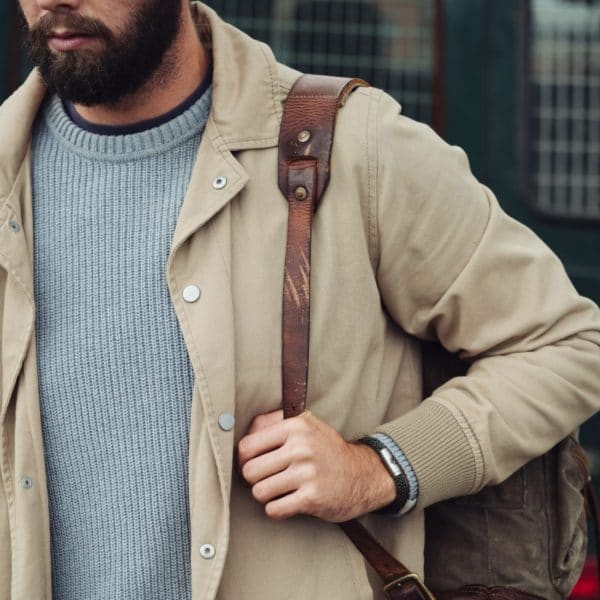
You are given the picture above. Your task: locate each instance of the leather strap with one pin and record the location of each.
(400, 583)
(481, 592)
(305, 143)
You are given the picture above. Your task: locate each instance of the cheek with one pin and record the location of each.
(114, 15)
(31, 11)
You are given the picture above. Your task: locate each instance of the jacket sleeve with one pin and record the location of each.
(453, 266)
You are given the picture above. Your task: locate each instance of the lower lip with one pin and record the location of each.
(70, 43)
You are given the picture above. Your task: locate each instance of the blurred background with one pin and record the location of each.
(516, 83)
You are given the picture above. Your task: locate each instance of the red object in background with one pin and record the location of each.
(588, 586)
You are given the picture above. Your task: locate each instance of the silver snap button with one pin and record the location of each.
(191, 293)
(301, 193)
(15, 226)
(304, 136)
(220, 182)
(207, 551)
(27, 482)
(226, 421)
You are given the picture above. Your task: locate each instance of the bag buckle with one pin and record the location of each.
(425, 593)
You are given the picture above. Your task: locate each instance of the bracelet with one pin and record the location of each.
(402, 460)
(396, 472)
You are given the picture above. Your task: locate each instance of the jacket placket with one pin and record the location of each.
(22, 454)
(200, 256)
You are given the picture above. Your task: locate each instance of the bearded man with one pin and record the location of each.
(141, 252)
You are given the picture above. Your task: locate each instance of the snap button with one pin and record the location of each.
(301, 193)
(220, 182)
(26, 482)
(191, 293)
(226, 421)
(304, 136)
(14, 226)
(207, 551)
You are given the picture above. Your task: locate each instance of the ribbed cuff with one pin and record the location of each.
(439, 450)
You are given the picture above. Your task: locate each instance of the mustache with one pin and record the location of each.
(72, 22)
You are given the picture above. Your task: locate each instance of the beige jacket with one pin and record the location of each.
(406, 242)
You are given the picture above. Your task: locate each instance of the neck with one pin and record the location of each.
(182, 69)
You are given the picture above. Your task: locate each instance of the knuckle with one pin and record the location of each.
(297, 425)
(306, 471)
(310, 499)
(309, 453)
(311, 472)
(259, 420)
(300, 449)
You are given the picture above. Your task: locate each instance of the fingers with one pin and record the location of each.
(287, 506)
(265, 420)
(262, 441)
(274, 487)
(294, 466)
(265, 466)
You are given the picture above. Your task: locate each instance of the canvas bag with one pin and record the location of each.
(529, 532)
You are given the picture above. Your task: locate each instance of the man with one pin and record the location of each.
(142, 246)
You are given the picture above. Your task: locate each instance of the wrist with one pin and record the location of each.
(405, 465)
(379, 487)
(396, 482)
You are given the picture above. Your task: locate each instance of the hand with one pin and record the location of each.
(303, 466)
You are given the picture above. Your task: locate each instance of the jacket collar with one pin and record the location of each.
(16, 122)
(247, 97)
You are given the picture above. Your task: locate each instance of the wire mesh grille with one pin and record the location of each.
(566, 107)
(390, 43)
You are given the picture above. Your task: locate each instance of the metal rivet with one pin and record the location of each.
(220, 182)
(191, 293)
(304, 136)
(226, 422)
(27, 482)
(301, 193)
(15, 226)
(207, 551)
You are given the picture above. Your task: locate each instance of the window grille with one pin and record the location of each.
(565, 108)
(390, 43)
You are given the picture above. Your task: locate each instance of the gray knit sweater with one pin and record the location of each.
(114, 375)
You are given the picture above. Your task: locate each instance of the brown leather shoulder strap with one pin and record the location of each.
(305, 144)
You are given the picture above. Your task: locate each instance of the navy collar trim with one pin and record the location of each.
(141, 125)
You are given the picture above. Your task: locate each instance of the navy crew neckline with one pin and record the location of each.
(140, 126)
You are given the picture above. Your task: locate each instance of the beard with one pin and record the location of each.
(124, 63)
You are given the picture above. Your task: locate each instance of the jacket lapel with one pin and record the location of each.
(216, 179)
